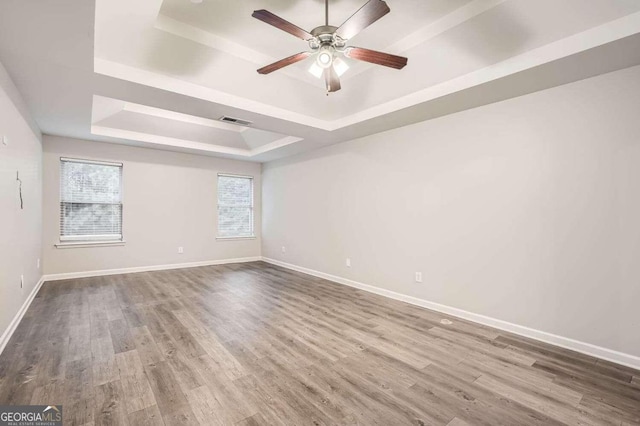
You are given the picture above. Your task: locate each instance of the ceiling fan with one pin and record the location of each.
(327, 43)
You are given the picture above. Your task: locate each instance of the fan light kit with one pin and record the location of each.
(325, 56)
(328, 44)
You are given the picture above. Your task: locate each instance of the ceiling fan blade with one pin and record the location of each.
(278, 22)
(332, 80)
(365, 16)
(284, 63)
(378, 58)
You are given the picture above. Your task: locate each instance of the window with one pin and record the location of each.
(90, 200)
(235, 206)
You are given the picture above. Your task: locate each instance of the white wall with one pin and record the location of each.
(527, 211)
(169, 201)
(20, 229)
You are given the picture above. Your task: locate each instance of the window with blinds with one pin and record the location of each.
(90, 200)
(235, 206)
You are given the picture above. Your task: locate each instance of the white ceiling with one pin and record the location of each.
(113, 117)
(233, 21)
(160, 73)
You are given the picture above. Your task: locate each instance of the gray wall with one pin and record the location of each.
(169, 201)
(20, 229)
(525, 211)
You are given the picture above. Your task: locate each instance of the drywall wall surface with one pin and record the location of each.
(169, 201)
(524, 211)
(20, 221)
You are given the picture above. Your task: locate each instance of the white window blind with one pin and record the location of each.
(90, 200)
(235, 206)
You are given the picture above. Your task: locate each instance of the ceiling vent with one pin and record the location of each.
(237, 121)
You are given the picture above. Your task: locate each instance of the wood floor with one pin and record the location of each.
(254, 344)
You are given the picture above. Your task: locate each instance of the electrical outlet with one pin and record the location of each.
(5, 141)
(348, 262)
(21, 281)
(418, 277)
(284, 249)
(38, 264)
(180, 250)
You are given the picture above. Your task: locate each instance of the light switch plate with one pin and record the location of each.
(5, 141)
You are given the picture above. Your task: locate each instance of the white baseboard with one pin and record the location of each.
(563, 342)
(87, 274)
(6, 336)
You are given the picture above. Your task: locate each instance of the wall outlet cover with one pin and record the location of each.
(180, 250)
(418, 277)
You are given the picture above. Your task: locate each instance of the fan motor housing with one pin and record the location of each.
(325, 35)
(323, 30)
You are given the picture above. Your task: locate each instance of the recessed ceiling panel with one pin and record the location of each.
(143, 123)
(232, 20)
(218, 45)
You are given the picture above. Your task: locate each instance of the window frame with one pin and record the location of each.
(252, 208)
(79, 240)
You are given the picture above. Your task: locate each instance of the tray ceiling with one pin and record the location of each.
(159, 73)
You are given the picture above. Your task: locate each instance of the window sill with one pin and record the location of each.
(84, 244)
(235, 238)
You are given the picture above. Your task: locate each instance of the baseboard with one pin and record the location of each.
(18, 317)
(87, 274)
(563, 342)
